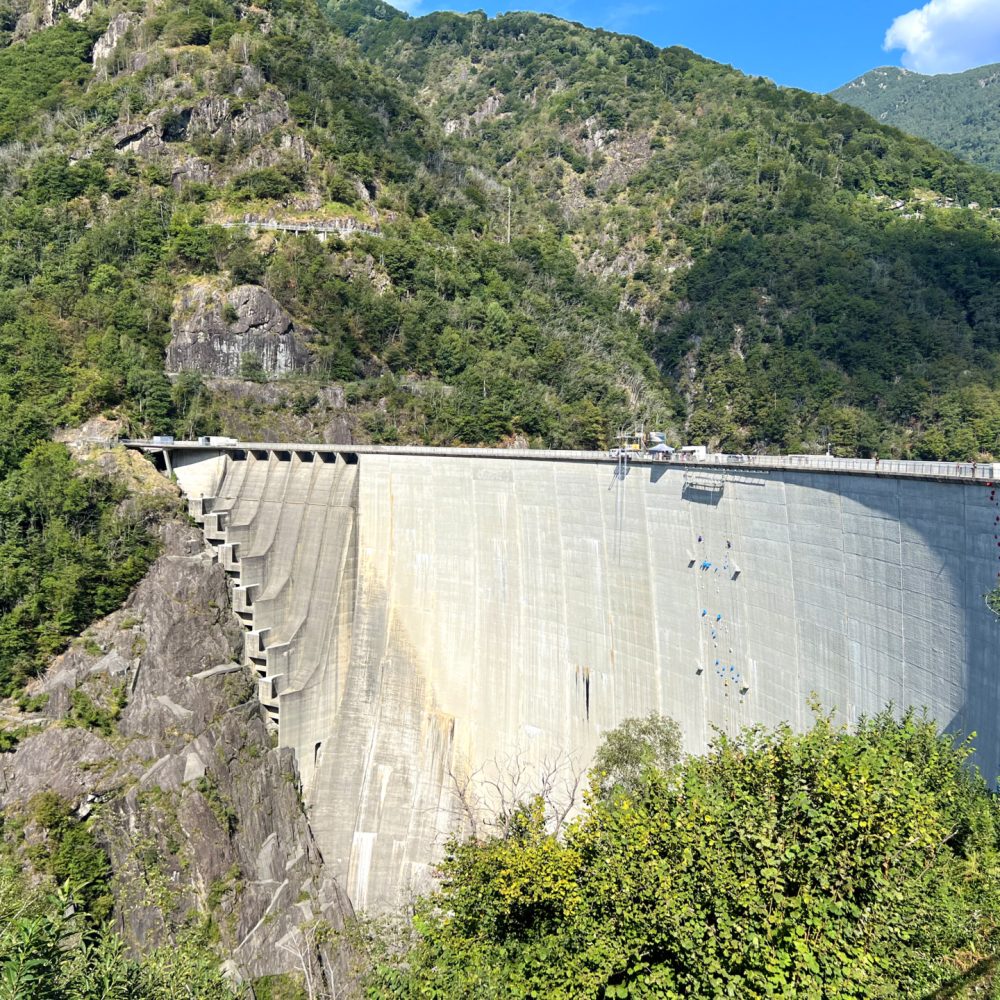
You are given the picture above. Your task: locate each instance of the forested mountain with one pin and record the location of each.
(959, 112)
(687, 245)
(538, 232)
(805, 277)
(533, 233)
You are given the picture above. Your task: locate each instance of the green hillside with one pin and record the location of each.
(959, 112)
(111, 206)
(745, 266)
(804, 276)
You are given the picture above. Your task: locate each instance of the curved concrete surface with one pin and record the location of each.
(416, 617)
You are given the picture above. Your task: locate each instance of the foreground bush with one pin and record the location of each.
(832, 863)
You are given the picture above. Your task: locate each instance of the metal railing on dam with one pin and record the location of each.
(416, 616)
(952, 471)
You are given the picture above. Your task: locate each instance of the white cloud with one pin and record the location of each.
(947, 36)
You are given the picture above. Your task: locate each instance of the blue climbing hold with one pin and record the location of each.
(718, 618)
(704, 611)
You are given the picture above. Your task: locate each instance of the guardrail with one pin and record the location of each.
(873, 466)
(958, 471)
(319, 228)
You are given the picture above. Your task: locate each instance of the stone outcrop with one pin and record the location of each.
(467, 125)
(81, 11)
(216, 116)
(212, 331)
(239, 125)
(117, 29)
(190, 169)
(195, 807)
(33, 15)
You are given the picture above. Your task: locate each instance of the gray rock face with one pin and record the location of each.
(81, 11)
(33, 15)
(117, 29)
(58, 760)
(194, 806)
(215, 116)
(153, 136)
(211, 331)
(190, 169)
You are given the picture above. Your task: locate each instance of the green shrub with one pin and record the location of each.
(86, 714)
(833, 863)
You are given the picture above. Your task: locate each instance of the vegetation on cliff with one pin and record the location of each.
(55, 940)
(841, 863)
(71, 548)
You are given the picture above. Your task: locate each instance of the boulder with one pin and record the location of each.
(212, 331)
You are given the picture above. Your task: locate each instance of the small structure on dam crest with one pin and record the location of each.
(414, 614)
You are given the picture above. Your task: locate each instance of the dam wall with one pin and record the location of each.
(429, 626)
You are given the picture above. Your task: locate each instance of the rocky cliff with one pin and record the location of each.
(201, 816)
(219, 333)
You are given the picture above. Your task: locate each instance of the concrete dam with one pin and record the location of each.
(418, 617)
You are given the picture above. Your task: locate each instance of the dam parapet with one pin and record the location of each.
(210, 448)
(418, 615)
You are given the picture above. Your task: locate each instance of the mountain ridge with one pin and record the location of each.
(653, 160)
(952, 110)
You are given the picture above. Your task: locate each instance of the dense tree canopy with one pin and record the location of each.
(830, 863)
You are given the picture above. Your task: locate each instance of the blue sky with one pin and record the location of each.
(813, 44)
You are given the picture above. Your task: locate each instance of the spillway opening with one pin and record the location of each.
(306, 456)
(350, 457)
(328, 457)
(283, 456)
